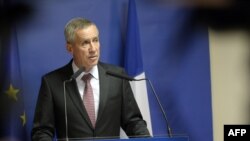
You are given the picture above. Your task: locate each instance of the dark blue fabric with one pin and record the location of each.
(12, 95)
(132, 54)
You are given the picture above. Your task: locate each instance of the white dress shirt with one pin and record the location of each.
(94, 83)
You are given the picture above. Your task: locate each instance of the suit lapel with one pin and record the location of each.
(104, 86)
(73, 94)
(77, 100)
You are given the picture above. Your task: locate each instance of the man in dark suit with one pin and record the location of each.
(111, 99)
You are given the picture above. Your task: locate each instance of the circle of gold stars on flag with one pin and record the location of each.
(12, 92)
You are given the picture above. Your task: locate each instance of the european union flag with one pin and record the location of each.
(12, 112)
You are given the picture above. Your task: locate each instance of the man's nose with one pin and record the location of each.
(92, 47)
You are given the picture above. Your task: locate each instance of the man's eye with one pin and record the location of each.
(85, 43)
(96, 40)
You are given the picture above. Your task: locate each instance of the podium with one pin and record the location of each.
(184, 138)
(151, 139)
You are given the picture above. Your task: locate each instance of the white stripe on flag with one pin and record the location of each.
(140, 93)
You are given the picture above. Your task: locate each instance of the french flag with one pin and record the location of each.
(133, 64)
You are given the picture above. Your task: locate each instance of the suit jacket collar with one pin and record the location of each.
(104, 88)
(73, 93)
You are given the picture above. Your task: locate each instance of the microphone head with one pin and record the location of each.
(122, 76)
(77, 73)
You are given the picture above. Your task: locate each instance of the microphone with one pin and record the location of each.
(126, 77)
(120, 76)
(74, 76)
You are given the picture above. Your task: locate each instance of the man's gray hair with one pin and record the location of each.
(73, 25)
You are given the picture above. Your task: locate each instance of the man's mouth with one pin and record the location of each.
(93, 57)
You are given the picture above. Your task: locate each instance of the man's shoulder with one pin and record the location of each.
(62, 71)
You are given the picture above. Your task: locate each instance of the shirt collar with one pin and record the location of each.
(93, 71)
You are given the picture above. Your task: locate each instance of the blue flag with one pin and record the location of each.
(12, 112)
(171, 77)
(133, 59)
(133, 63)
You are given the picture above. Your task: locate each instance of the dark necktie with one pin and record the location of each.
(88, 98)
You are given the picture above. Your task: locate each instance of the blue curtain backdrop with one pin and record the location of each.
(13, 119)
(175, 52)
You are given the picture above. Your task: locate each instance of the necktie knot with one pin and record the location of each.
(86, 77)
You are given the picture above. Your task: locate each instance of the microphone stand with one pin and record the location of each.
(74, 76)
(164, 113)
(158, 101)
(125, 76)
(65, 109)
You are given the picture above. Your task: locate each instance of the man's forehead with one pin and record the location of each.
(87, 33)
(90, 28)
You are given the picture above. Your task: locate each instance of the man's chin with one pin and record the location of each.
(93, 63)
(90, 66)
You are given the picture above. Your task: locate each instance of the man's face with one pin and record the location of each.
(86, 47)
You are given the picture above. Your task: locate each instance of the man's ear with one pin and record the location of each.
(69, 48)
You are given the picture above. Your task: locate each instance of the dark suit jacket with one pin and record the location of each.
(117, 108)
